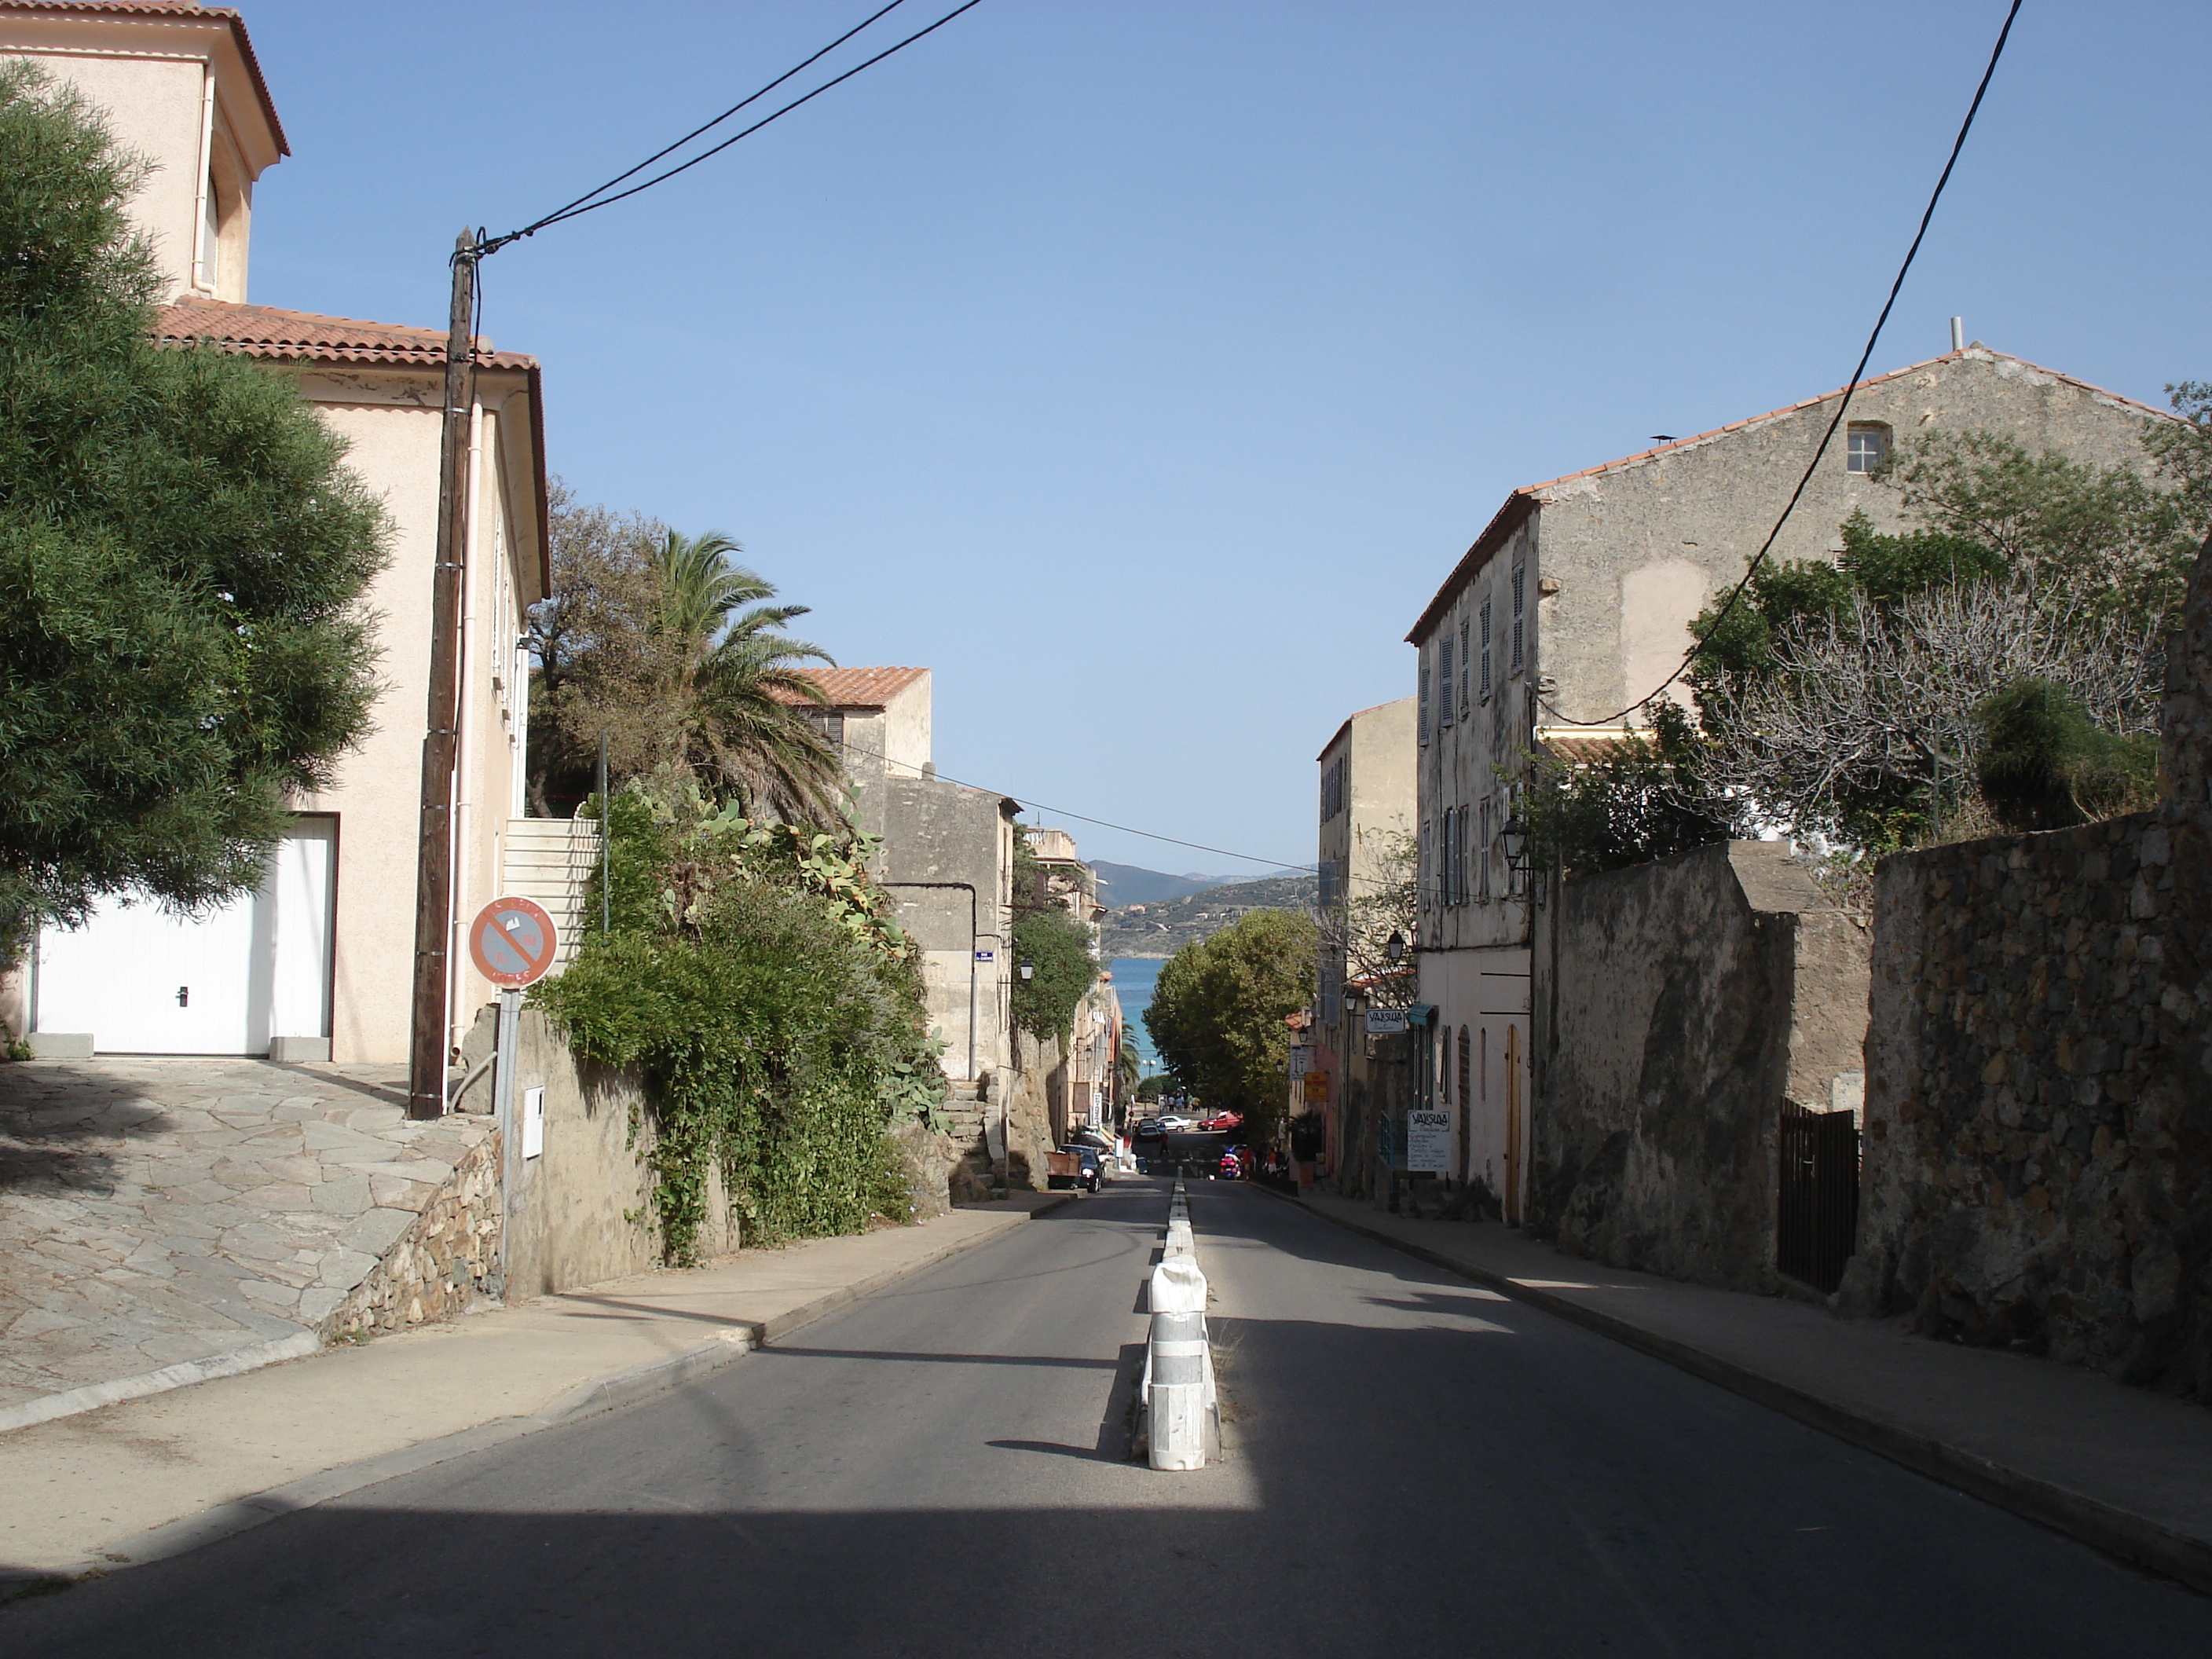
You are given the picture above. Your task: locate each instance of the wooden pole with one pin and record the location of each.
(433, 881)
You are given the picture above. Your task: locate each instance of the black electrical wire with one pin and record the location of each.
(697, 131)
(584, 204)
(1767, 546)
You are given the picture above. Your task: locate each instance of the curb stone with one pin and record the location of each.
(48, 1407)
(604, 1394)
(2130, 1537)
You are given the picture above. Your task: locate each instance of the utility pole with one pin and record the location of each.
(434, 880)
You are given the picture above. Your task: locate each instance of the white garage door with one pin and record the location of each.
(144, 982)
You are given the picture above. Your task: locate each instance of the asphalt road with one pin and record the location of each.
(1416, 1467)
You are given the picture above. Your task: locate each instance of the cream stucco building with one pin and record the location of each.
(319, 963)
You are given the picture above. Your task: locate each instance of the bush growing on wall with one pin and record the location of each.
(754, 976)
(1056, 947)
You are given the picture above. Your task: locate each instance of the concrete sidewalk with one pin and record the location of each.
(2127, 1472)
(152, 1477)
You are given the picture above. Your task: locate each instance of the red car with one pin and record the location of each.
(1223, 1121)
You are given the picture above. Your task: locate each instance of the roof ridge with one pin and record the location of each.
(1524, 499)
(189, 8)
(1977, 350)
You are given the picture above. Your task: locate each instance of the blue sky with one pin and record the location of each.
(1141, 368)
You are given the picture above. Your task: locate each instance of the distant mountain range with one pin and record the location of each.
(1160, 927)
(1126, 883)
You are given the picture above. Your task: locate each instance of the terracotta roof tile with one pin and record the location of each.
(305, 336)
(170, 9)
(860, 688)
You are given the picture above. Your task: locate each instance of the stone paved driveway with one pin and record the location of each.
(158, 1211)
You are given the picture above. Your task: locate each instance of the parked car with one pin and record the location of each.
(1149, 1129)
(1175, 1124)
(1223, 1121)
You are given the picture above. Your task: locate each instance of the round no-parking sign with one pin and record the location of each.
(512, 941)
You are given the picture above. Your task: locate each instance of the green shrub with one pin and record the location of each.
(1057, 948)
(2044, 765)
(756, 977)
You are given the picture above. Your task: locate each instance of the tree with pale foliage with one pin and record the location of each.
(1383, 898)
(661, 644)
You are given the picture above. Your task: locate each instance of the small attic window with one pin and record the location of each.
(1870, 447)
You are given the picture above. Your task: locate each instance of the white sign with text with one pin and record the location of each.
(1428, 1142)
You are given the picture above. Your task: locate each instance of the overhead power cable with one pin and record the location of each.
(1842, 407)
(592, 201)
(1081, 817)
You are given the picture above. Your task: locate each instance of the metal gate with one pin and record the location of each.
(1819, 1201)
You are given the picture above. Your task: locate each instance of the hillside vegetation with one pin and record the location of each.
(1163, 928)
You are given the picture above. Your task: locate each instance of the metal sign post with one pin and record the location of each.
(512, 943)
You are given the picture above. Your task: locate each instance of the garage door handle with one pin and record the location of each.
(184, 996)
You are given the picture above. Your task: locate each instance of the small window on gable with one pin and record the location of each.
(1870, 447)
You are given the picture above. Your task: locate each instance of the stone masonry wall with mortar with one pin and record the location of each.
(445, 1260)
(2039, 1159)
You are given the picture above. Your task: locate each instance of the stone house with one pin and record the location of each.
(946, 858)
(1574, 604)
(319, 963)
(1367, 799)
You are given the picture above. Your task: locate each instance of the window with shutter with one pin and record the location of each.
(1426, 870)
(1444, 681)
(1520, 595)
(1485, 651)
(1443, 863)
(1425, 705)
(1466, 672)
(1482, 854)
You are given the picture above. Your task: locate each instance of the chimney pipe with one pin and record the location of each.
(1958, 334)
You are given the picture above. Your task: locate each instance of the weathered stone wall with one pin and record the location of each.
(448, 1259)
(1029, 1110)
(1693, 996)
(2039, 1164)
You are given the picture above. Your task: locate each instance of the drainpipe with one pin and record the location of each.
(198, 277)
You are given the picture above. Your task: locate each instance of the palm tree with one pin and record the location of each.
(700, 586)
(747, 724)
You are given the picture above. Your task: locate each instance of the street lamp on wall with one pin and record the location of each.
(1029, 970)
(1396, 948)
(1514, 838)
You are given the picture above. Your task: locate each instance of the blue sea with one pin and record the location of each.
(1133, 977)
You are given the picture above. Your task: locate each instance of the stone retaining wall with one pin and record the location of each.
(2039, 1161)
(445, 1260)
